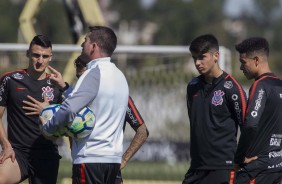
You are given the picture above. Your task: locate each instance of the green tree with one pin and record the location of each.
(9, 20)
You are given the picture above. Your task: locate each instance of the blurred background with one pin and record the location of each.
(153, 42)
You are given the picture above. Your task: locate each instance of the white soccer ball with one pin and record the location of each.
(48, 112)
(81, 126)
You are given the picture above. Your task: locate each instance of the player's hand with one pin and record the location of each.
(57, 77)
(123, 163)
(7, 153)
(35, 107)
(249, 160)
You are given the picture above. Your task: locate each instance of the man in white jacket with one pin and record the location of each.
(104, 89)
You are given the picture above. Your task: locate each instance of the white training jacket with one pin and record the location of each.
(104, 89)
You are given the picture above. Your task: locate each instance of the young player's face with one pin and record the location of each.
(206, 62)
(248, 66)
(39, 58)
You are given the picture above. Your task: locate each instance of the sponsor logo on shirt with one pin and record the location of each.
(18, 76)
(275, 166)
(275, 154)
(48, 91)
(254, 113)
(129, 113)
(234, 97)
(236, 106)
(228, 84)
(275, 140)
(217, 98)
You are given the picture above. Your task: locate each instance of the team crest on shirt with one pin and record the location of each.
(217, 98)
(18, 76)
(48, 92)
(228, 84)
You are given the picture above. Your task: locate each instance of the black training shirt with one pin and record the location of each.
(215, 111)
(262, 131)
(23, 130)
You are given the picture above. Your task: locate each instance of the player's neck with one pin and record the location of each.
(36, 75)
(213, 74)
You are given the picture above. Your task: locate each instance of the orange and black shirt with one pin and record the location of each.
(23, 131)
(215, 112)
(262, 130)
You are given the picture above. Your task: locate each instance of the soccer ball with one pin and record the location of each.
(48, 112)
(81, 126)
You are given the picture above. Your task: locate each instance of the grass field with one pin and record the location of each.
(139, 172)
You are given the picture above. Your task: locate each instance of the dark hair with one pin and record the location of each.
(79, 62)
(253, 44)
(104, 37)
(41, 40)
(203, 44)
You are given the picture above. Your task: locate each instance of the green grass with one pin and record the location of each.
(65, 170)
(155, 171)
(140, 171)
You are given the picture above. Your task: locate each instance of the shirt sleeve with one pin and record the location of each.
(256, 105)
(67, 92)
(82, 95)
(132, 116)
(237, 102)
(4, 90)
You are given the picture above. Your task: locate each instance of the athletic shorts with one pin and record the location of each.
(209, 176)
(119, 178)
(98, 173)
(39, 171)
(242, 177)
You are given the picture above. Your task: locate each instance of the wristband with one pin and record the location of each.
(65, 88)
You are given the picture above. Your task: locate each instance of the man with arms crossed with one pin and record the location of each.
(26, 153)
(259, 150)
(216, 105)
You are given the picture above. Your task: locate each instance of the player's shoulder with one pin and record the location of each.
(194, 81)
(230, 82)
(17, 74)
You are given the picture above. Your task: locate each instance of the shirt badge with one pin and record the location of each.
(217, 98)
(48, 92)
(228, 84)
(18, 76)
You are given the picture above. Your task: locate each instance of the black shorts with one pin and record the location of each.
(98, 173)
(119, 178)
(243, 177)
(39, 171)
(209, 176)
